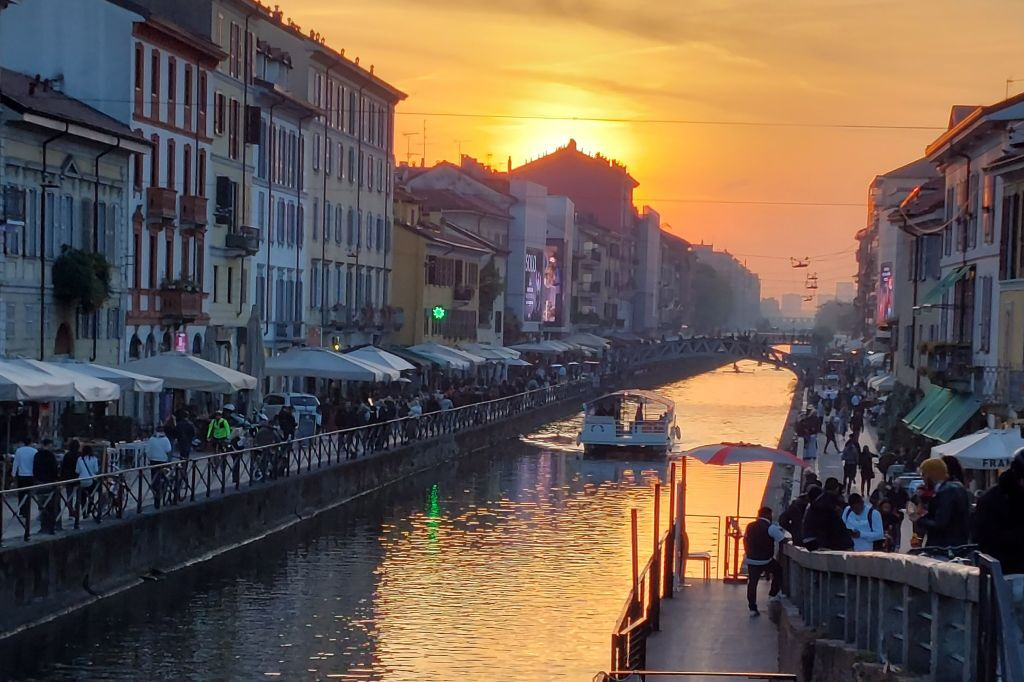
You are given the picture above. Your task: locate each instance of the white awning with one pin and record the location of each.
(498, 353)
(589, 340)
(883, 383)
(128, 381)
(324, 363)
(447, 356)
(988, 449)
(188, 372)
(86, 388)
(23, 383)
(535, 348)
(378, 356)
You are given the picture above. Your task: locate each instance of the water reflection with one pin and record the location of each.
(510, 567)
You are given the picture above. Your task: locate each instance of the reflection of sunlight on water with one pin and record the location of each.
(513, 567)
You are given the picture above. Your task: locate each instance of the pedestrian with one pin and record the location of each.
(286, 422)
(88, 468)
(759, 540)
(186, 433)
(830, 435)
(792, 520)
(24, 459)
(823, 527)
(892, 524)
(955, 469)
(866, 464)
(856, 424)
(999, 518)
(45, 470)
(946, 519)
(865, 525)
(851, 458)
(69, 474)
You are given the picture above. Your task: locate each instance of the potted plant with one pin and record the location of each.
(81, 278)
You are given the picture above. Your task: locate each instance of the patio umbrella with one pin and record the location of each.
(988, 449)
(86, 388)
(188, 372)
(379, 356)
(255, 360)
(24, 383)
(725, 454)
(324, 363)
(128, 381)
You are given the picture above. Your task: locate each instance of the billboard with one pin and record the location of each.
(553, 295)
(884, 309)
(533, 286)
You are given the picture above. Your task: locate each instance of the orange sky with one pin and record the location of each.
(819, 61)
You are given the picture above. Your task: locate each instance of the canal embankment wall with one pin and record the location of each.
(53, 576)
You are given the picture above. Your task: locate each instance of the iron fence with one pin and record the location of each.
(117, 494)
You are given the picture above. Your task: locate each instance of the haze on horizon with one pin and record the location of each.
(861, 62)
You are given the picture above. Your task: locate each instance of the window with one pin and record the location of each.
(316, 219)
(261, 296)
(327, 155)
(154, 247)
(972, 211)
(300, 225)
(137, 169)
(186, 171)
(231, 271)
(201, 125)
(140, 77)
(291, 223)
(233, 130)
(219, 113)
(369, 172)
(170, 164)
(301, 162)
(235, 51)
(1011, 237)
(351, 226)
(281, 229)
(316, 152)
(351, 165)
(169, 256)
(216, 283)
(361, 162)
(154, 86)
(985, 335)
(369, 231)
(339, 224)
(201, 174)
(172, 84)
(352, 112)
(380, 233)
(341, 161)
(154, 162)
(188, 97)
(186, 247)
(314, 284)
(327, 221)
(261, 164)
(947, 232)
(385, 293)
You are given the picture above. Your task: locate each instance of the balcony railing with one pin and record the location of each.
(161, 204)
(949, 364)
(289, 331)
(462, 293)
(246, 240)
(180, 304)
(1000, 386)
(193, 211)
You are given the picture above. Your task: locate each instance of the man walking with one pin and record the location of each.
(759, 543)
(24, 460)
(830, 435)
(45, 470)
(185, 434)
(158, 451)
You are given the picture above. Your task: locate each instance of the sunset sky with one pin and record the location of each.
(799, 62)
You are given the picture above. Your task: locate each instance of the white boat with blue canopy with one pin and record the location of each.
(632, 420)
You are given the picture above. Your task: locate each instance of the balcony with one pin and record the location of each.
(949, 365)
(161, 204)
(1000, 386)
(462, 294)
(289, 331)
(342, 318)
(180, 301)
(246, 240)
(193, 211)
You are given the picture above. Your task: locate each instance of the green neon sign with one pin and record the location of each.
(439, 312)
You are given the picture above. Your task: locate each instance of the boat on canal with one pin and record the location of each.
(630, 422)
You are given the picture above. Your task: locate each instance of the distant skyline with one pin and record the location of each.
(840, 62)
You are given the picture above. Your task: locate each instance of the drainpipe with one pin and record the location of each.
(270, 214)
(96, 218)
(42, 242)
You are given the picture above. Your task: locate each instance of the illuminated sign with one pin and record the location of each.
(181, 342)
(885, 307)
(438, 312)
(553, 294)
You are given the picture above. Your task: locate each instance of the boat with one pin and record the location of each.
(632, 421)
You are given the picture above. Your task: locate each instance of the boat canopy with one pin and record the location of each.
(638, 394)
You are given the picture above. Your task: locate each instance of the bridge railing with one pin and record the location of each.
(132, 491)
(939, 619)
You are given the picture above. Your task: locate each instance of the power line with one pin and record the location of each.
(750, 202)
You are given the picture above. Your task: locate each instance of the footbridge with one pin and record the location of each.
(762, 348)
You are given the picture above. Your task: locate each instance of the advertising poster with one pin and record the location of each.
(552, 297)
(884, 309)
(532, 293)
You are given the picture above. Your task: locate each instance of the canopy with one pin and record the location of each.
(499, 353)
(378, 356)
(876, 359)
(882, 383)
(412, 358)
(128, 381)
(85, 388)
(590, 340)
(516, 362)
(933, 397)
(988, 449)
(324, 363)
(951, 418)
(724, 454)
(188, 372)
(448, 357)
(19, 382)
(934, 296)
(536, 347)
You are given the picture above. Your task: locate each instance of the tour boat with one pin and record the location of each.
(630, 421)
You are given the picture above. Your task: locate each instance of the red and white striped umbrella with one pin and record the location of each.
(724, 454)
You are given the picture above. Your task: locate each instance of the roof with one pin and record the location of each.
(448, 240)
(448, 200)
(474, 238)
(958, 112)
(922, 168)
(648, 396)
(27, 95)
(331, 58)
(976, 117)
(287, 98)
(570, 150)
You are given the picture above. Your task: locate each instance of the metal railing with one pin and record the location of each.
(948, 621)
(126, 492)
(999, 385)
(627, 675)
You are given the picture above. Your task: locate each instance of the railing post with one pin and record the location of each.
(633, 554)
(138, 501)
(655, 579)
(192, 488)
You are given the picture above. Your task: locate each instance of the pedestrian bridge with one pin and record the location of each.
(760, 348)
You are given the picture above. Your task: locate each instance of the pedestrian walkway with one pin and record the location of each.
(706, 627)
(831, 465)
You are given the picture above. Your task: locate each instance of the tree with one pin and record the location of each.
(81, 278)
(833, 317)
(713, 299)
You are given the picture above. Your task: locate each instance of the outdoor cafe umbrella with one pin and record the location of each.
(85, 388)
(379, 356)
(188, 372)
(18, 382)
(128, 381)
(988, 449)
(326, 364)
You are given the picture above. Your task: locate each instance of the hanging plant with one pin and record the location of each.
(491, 285)
(81, 278)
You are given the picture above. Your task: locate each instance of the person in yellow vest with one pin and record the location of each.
(219, 432)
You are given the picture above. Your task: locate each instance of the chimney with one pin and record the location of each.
(510, 165)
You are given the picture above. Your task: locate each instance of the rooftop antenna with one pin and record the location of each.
(424, 159)
(408, 147)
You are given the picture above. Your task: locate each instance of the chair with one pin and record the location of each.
(704, 558)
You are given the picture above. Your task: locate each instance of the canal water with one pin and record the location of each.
(512, 565)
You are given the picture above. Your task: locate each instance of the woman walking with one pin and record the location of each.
(866, 464)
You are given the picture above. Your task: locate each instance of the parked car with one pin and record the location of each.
(304, 406)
